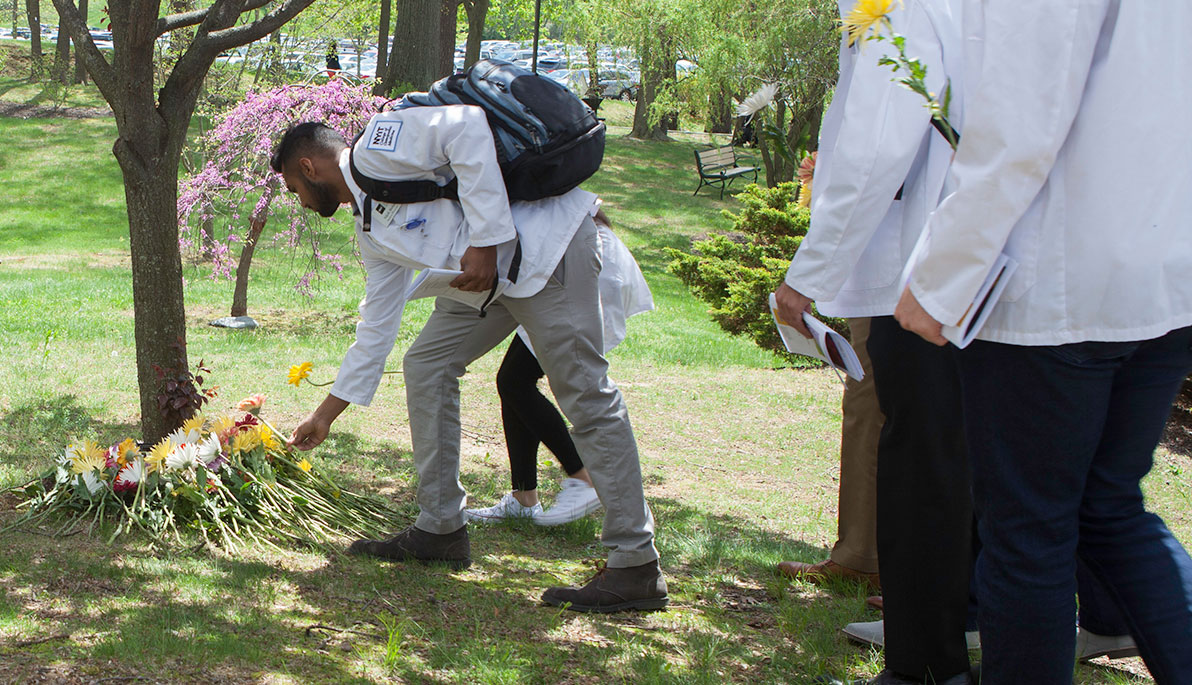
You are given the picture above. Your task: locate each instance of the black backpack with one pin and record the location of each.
(547, 140)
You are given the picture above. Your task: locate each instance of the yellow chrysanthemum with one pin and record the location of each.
(127, 450)
(865, 16)
(222, 424)
(87, 457)
(305, 465)
(299, 372)
(194, 423)
(245, 441)
(267, 438)
(157, 455)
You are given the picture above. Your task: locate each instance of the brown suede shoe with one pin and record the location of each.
(414, 544)
(825, 569)
(875, 602)
(614, 589)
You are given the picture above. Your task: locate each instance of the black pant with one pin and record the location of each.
(529, 418)
(924, 504)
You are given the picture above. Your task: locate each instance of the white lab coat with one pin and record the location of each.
(439, 143)
(1074, 160)
(877, 138)
(623, 289)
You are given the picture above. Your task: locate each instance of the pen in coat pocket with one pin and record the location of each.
(412, 224)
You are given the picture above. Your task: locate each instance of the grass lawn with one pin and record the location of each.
(739, 454)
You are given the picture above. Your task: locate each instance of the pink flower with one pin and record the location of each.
(807, 168)
(251, 404)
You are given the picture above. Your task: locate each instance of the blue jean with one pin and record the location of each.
(1060, 438)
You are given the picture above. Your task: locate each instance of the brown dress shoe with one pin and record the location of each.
(825, 569)
(415, 544)
(875, 602)
(640, 588)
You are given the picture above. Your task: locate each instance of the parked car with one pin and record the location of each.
(612, 83)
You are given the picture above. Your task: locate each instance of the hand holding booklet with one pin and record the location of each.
(437, 283)
(824, 344)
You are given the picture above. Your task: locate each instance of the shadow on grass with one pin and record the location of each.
(33, 433)
(345, 619)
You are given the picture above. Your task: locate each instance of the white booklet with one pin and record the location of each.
(982, 305)
(437, 283)
(988, 295)
(824, 344)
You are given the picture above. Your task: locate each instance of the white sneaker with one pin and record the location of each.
(507, 508)
(576, 500)
(874, 633)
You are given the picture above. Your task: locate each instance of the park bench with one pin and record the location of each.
(718, 165)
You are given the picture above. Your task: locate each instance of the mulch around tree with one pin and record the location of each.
(21, 110)
(1177, 436)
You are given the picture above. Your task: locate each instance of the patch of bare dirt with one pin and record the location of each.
(24, 110)
(1177, 436)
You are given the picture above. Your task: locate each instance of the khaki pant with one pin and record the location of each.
(564, 324)
(856, 527)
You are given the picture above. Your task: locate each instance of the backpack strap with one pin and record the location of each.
(397, 192)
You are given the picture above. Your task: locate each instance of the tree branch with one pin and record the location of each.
(174, 22)
(246, 33)
(101, 72)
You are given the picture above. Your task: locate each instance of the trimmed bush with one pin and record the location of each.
(735, 273)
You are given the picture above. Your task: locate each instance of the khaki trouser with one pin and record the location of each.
(856, 527)
(564, 325)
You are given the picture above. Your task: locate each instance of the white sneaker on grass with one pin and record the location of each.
(576, 500)
(507, 508)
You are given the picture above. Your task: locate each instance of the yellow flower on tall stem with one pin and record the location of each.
(265, 433)
(245, 440)
(298, 373)
(305, 465)
(157, 455)
(865, 16)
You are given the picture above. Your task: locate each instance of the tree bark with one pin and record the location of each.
(62, 57)
(256, 224)
(416, 37)
(33, 12)
(720, 111)
(447, 25)
(653, 63)
(477, 10)
(80, 75)
(383, 37)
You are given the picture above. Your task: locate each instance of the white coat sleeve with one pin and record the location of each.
(380, 317)
(1036, 64)
(467, 142)
(880, 133)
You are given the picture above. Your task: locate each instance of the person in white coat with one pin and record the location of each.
(1073, 161)
(529, 418)
(878, 175)
(555, 298)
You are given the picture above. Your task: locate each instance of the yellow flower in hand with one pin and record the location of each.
(864, 17)
(299, 372)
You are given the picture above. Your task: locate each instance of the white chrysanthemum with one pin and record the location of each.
(758, 101)
(132, 474)
(67, 457)
(210, 449)
(182, 457)
(180, 436)
(92, 480)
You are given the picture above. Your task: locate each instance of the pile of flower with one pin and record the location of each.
(230, 480)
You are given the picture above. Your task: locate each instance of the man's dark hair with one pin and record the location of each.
(308, 139)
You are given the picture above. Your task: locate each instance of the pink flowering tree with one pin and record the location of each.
(235, 182)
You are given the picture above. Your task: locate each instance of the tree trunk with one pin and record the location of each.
(62, 57)
(720, 111)
(151, 192)
(256, 224)
(33, 12)
(80, 75)
(417, 34)
(383, 37)
(653, 74)
(477, 11)
(447, 22)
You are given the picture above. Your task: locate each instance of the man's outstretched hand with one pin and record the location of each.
(479, 266)
(314, 428)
